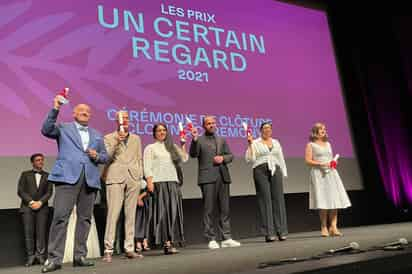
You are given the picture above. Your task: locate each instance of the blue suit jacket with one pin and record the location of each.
(72, 158)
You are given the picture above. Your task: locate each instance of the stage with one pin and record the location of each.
(254, 251)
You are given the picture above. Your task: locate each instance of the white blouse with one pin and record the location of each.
(261, 154)
(158, 163)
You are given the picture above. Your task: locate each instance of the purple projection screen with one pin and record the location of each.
(164, 60)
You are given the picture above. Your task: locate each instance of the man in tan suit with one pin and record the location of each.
(122, 175)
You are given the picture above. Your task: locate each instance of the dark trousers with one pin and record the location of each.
(143, 219)
(65, 198)
(35, 230)
(271, 201)
(216, 196)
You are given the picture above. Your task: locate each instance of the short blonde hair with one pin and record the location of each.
(315, 131)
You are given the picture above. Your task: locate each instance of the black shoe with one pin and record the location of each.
(170, 250)
(50, 267)
(82, 261)
(270, 239)
(30, 261)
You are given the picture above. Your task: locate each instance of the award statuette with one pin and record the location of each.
(247, 129)
(182, 133)
(121, 122)
(334, 163)
(63, 96)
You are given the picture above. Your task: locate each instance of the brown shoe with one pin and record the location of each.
(107, 257)
(133, 255)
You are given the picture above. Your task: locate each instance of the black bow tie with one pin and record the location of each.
(36, 172)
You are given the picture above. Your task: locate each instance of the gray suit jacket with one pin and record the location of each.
(207, 170)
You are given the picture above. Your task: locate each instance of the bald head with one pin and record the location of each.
(82, 113)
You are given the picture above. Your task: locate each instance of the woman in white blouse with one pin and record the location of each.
(269, 168)
(163, 173)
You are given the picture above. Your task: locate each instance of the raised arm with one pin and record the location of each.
(194, 148)
(182, 152)
(49, 128)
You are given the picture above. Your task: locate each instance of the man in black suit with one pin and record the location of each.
(213, 155)
(35, 191)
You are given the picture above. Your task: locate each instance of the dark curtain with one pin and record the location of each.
(374, 56)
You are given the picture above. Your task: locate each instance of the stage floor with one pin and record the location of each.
(245, 259)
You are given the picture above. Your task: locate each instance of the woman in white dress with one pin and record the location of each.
(326, 190)
(93, 247)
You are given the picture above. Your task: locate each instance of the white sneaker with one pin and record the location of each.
(230, 243)
(213, 245)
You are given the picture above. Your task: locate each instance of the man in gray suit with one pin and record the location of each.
(123, 175)
(213, 155)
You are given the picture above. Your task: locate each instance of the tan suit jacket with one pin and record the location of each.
(125, 159)
(122, 176)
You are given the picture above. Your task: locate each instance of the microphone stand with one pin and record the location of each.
(303, 259)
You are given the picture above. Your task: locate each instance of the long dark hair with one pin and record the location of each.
(170, 146)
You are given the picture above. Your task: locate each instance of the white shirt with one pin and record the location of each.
(37, 176)
(84, 135)
(158, 162)
(261, 154)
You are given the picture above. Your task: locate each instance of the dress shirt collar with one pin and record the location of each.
(81, 127)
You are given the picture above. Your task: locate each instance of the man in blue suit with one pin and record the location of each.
(76, 178)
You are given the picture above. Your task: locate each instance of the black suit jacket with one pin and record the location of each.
(208, 171)
(28, 191)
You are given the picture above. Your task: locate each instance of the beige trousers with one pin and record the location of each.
(125, 193)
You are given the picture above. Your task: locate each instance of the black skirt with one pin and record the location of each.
(143, 219)
(167, 220)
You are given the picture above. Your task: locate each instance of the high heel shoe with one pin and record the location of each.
(335, 233)
(145, 247)
(324, 232)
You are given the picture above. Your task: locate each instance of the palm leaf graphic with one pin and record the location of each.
(9, 12)
(102, 48)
